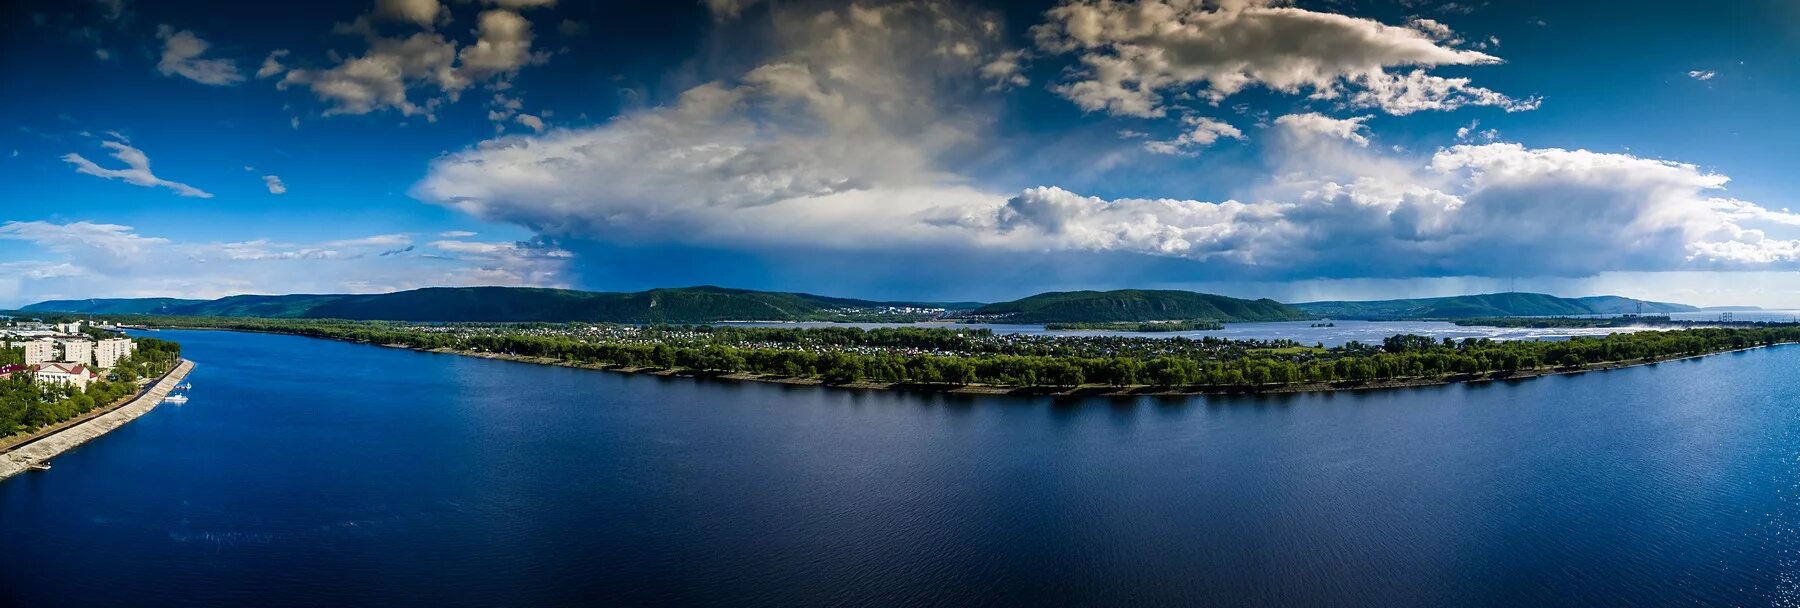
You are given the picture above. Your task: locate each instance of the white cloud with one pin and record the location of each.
(86, 259)
(1133, 53)
(105, 247)
(379, 79)
(858, 108)
(271, 65)
(1006, 70)
(393, 68)
(274, 184)
(1702, 75)
(1489, 210)
(1417, 91)
(420, 12)
(181, 57)
(502, 46)
(1463, 132)
(1319, 125)
(1198, 132)
(532, 263)
(535, 123)
(136, 171)
(455, 234)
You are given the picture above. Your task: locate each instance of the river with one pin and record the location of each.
(309, 472)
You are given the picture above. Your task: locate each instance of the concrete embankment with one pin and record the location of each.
(20, 460)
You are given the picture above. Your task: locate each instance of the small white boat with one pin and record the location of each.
(175, 399)
(183, 387)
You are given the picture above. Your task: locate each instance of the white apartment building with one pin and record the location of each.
(39, 351)
(65, 373)
(107, 353)
(72, 327)
(77, 350)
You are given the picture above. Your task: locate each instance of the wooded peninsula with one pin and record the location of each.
(956, 359)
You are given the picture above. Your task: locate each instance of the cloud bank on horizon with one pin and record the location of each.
(867, 132)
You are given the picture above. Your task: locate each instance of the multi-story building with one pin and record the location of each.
(77, 350)
(39, 351)
(72, 374)
(107, 353)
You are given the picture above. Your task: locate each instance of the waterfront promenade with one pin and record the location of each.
(19, 459)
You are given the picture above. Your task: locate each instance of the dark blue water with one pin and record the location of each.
(307, 472)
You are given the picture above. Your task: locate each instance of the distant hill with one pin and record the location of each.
(115, 306)
(708, 304)
(1488, 305)
(511, 304)
(1136, 305)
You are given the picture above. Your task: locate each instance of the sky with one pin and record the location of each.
(909, 149)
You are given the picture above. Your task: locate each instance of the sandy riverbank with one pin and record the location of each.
(41, 449)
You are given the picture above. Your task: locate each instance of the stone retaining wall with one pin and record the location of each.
(19, 460)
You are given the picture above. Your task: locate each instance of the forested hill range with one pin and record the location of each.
(690, 305)
(1510, 304)
(714, 304)
(1134, 305)
(704, 304)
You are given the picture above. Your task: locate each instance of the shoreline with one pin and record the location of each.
(1086, 390)
(38, 449)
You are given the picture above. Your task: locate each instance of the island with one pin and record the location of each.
(686, 331)
(979, 360)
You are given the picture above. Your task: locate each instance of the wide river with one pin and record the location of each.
(310, 472)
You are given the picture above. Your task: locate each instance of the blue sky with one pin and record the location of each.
(931, 149)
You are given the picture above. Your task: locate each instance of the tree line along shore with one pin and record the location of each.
(950, 358)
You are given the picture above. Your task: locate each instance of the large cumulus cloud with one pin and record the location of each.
(1489, 210)
(844, 131)
(416, 73)
(1134, 53)
(853, 140)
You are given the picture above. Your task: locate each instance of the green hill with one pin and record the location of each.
(1488, 305)
(115, 306)
(516, 304)
(1135, 305)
